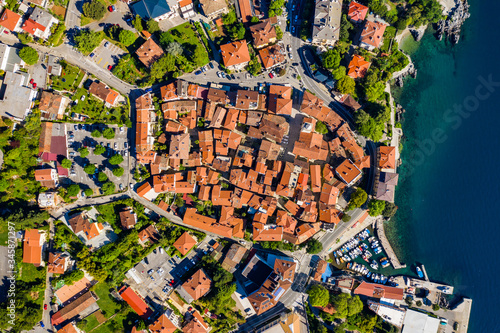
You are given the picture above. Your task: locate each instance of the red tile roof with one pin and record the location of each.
(9, 19)
(357, 12)
(162, 325)
(184, 243)
(135, 302)
(387, 157)
(32, 251)
(197, 285)
(358, 67)
(235, 53)
(379, 291)
(372, 33)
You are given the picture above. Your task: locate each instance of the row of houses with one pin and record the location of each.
(38, 23)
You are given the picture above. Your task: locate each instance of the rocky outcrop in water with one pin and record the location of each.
(417, 34)
(452, 26)
(399, 112)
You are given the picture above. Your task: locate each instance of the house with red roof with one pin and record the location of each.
(235, 55)
(387, 158)
(195, 287)
(10, 21)
(184, 243)
(104, 93)
(39, 23)
(379, 291)
(32, 247)
(357, 12)
(372, 35)
(358, 67)
(135, 302)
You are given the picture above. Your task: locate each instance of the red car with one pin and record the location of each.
(111, 8)
(34, 85)
(110, 67)
(31, 81)
(45, 306)
(271, 75)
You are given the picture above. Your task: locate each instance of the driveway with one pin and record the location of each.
(38, 73)
(116, 17)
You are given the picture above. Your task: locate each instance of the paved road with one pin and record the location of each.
(72, 20)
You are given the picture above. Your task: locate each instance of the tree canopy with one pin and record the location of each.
(99, 150)
(118, 172)
(368, 126)
(346, 305)
(314, 246)
(96, 133)
(109, 133)
(116, 159)
(346, 85)
(108, 188)
(89, 169)
(127, 37)
(73, 190)
(174, 48)
(152, 26)
(376, 207)
(66, 163)
(94, 10)
(331, 58)
(101, 177)
(321, 127)
(84, 152)
(390, 210)
(29, 55)
(137, 23)
(318, 295)
(358, 198)
(87, 40)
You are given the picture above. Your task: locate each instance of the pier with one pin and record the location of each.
(425, 273)
(379, 226)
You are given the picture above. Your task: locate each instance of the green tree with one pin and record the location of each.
(331, 58)
(152, 26)
(101, 177)
(96, 133)
(115, 159)
(339, 72)
(73, 190)
(66, 163)
(346, 85)
(88, 192)
(389, 210)
(373, 92)
(94, 10)
(109, 133)
(118, 172)
(321, 127)
(376, 207)
(137, 23)
(174, 48)
(369, 127)
(127, 37)
(419, 303)
(29, 55)
(25, 37)
(254, 67)
(435, 307)
(87, 40)
(229, 18)
(345, 28)
(89, 169)
(84, 152)
(346, 218)
(314, 246)
(279, 32)
(108, 188)
(318, 295)
(254, 19)
(358, 198)
(99, 150)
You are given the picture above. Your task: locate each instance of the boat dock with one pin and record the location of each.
(425, 273)
(379, 227)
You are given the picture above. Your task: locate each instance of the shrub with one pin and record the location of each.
(126, 37)
(29, 55)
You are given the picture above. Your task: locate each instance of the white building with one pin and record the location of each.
(16, 99)
(327, 18)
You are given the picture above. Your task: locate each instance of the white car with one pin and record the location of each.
(290, 56)
(116, 145)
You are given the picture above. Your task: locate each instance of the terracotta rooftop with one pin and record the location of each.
(372, 33)
(379, 291)
(9, 19)
(271, 56)
(387, 157)
(357, 67)
(32, 250)
(235, 53)
(135, 302)
(357, 12)
(184, 243)
(162, 325)
(197, 285)
(263, 33)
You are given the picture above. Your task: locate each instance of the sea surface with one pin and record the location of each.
(449, 188)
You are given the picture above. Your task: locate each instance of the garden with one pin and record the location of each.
(70, 79)
(97, 112)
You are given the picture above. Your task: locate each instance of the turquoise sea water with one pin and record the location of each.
(449, 189)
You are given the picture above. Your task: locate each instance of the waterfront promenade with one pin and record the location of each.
(379, 227)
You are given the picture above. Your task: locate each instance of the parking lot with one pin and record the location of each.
(157, 274)
(107, 54)
(80, 136)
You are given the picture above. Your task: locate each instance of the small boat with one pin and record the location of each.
(374, 265)
(369, 274)
(384, 262)
(338, 261)
(378, 250)
(420, 273)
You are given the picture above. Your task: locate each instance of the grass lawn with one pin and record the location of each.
(96, 110)
(127, 70)
(30, 273)
(122, 322)
(106, 302)
(89, 323)
(187, 37)
(4, 233)
(70, 78)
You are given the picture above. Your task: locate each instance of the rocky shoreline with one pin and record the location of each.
(452, 26)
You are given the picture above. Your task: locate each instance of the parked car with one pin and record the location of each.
(92, 54)
(149, 90)
(271, 75)
(111, 8)
(45, 306)
(121, 187)
(211, 65)
(106, 44)
(110, 67)
(198, 72)
(290, 56)
(125, 145)
(116, 145)
(121, 129)
(233, 77)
